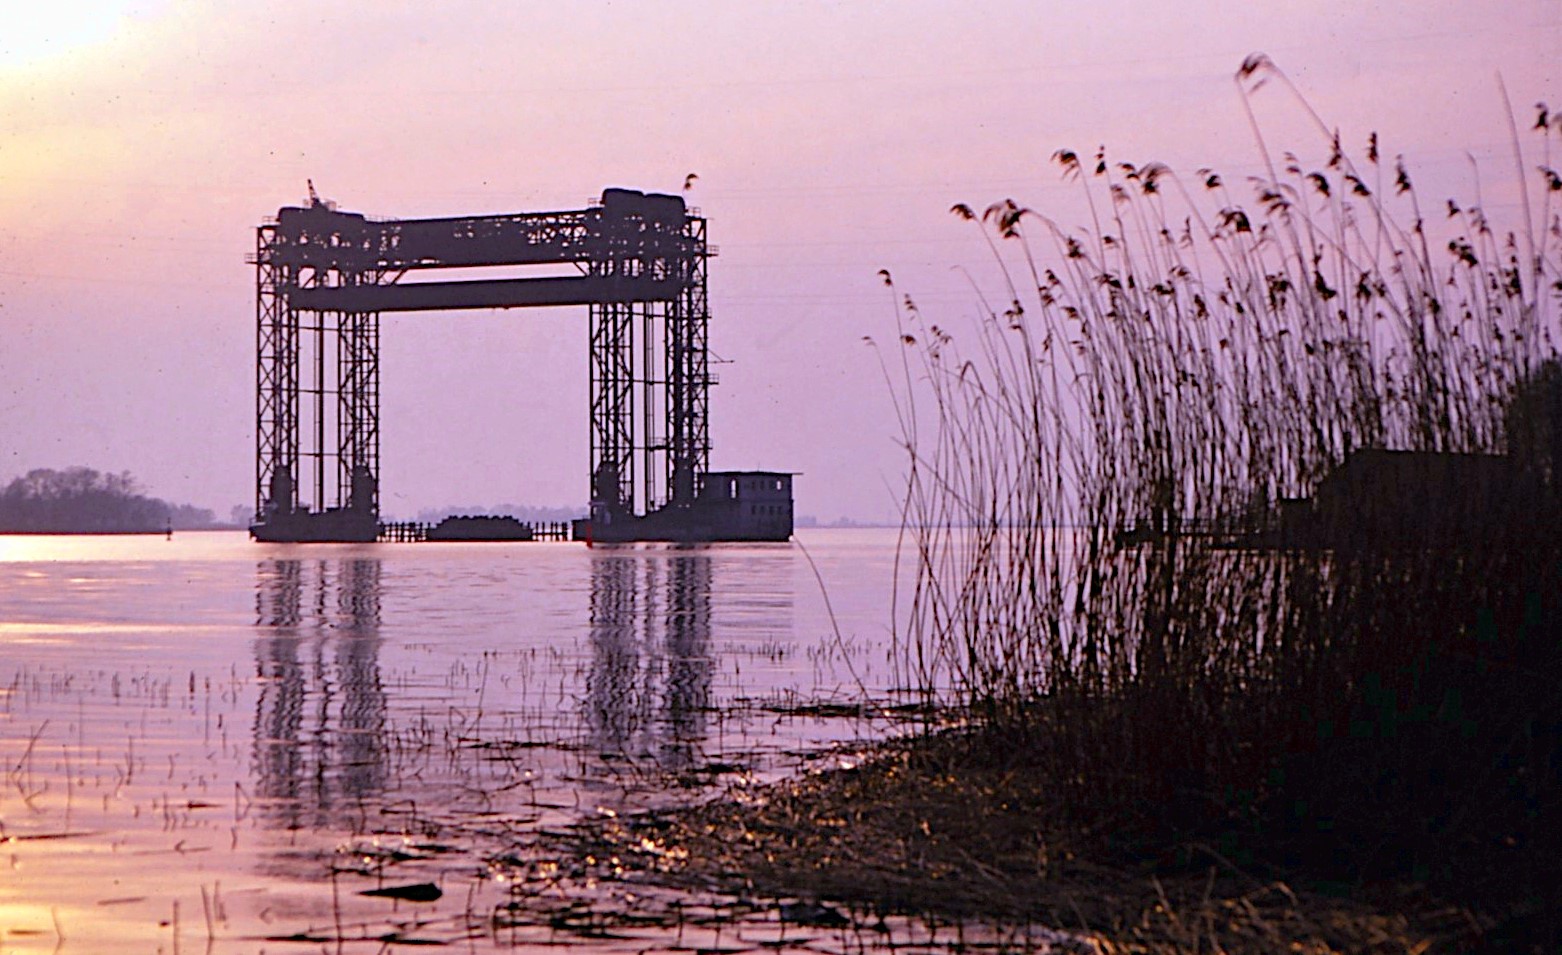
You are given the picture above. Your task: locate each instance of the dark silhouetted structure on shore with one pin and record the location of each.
(1396, 499)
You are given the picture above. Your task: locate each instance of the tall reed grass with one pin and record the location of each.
(1102, 482)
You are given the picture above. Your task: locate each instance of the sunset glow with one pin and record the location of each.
(142, 144)
(36, 32)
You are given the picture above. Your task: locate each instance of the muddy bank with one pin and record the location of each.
(922, 827)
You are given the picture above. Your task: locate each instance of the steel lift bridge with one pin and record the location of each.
(324, 277)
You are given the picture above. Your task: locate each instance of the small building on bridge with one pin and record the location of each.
(756, 505)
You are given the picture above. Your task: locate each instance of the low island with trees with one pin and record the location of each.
(80, 500)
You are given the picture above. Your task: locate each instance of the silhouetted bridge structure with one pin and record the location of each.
(324, 277)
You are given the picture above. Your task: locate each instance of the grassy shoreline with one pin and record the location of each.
(943, 825)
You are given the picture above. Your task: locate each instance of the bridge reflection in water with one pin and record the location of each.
(648, 691)
(573, 684)
(320, 722)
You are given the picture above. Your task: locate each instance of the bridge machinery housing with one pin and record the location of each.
(323, 278)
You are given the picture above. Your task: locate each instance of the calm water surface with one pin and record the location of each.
(214, 745)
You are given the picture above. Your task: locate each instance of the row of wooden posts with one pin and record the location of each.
(401, 532)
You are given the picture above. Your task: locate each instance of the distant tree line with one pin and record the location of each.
(812, 520)
(80, 500)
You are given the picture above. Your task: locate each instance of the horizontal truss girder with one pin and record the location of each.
(487, 293)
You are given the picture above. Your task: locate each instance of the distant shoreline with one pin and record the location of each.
(114, 533)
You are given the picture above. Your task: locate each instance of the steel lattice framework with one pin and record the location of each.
(324, 276)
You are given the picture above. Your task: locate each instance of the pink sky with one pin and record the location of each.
(140, 143)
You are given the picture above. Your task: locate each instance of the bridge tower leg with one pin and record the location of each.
(650, 367)
(358, 411)
(277, 385)
(652, 377)
(612, 405)
(317, 399)
(688, 377)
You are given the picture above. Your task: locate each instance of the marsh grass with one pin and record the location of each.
(1103, 479)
